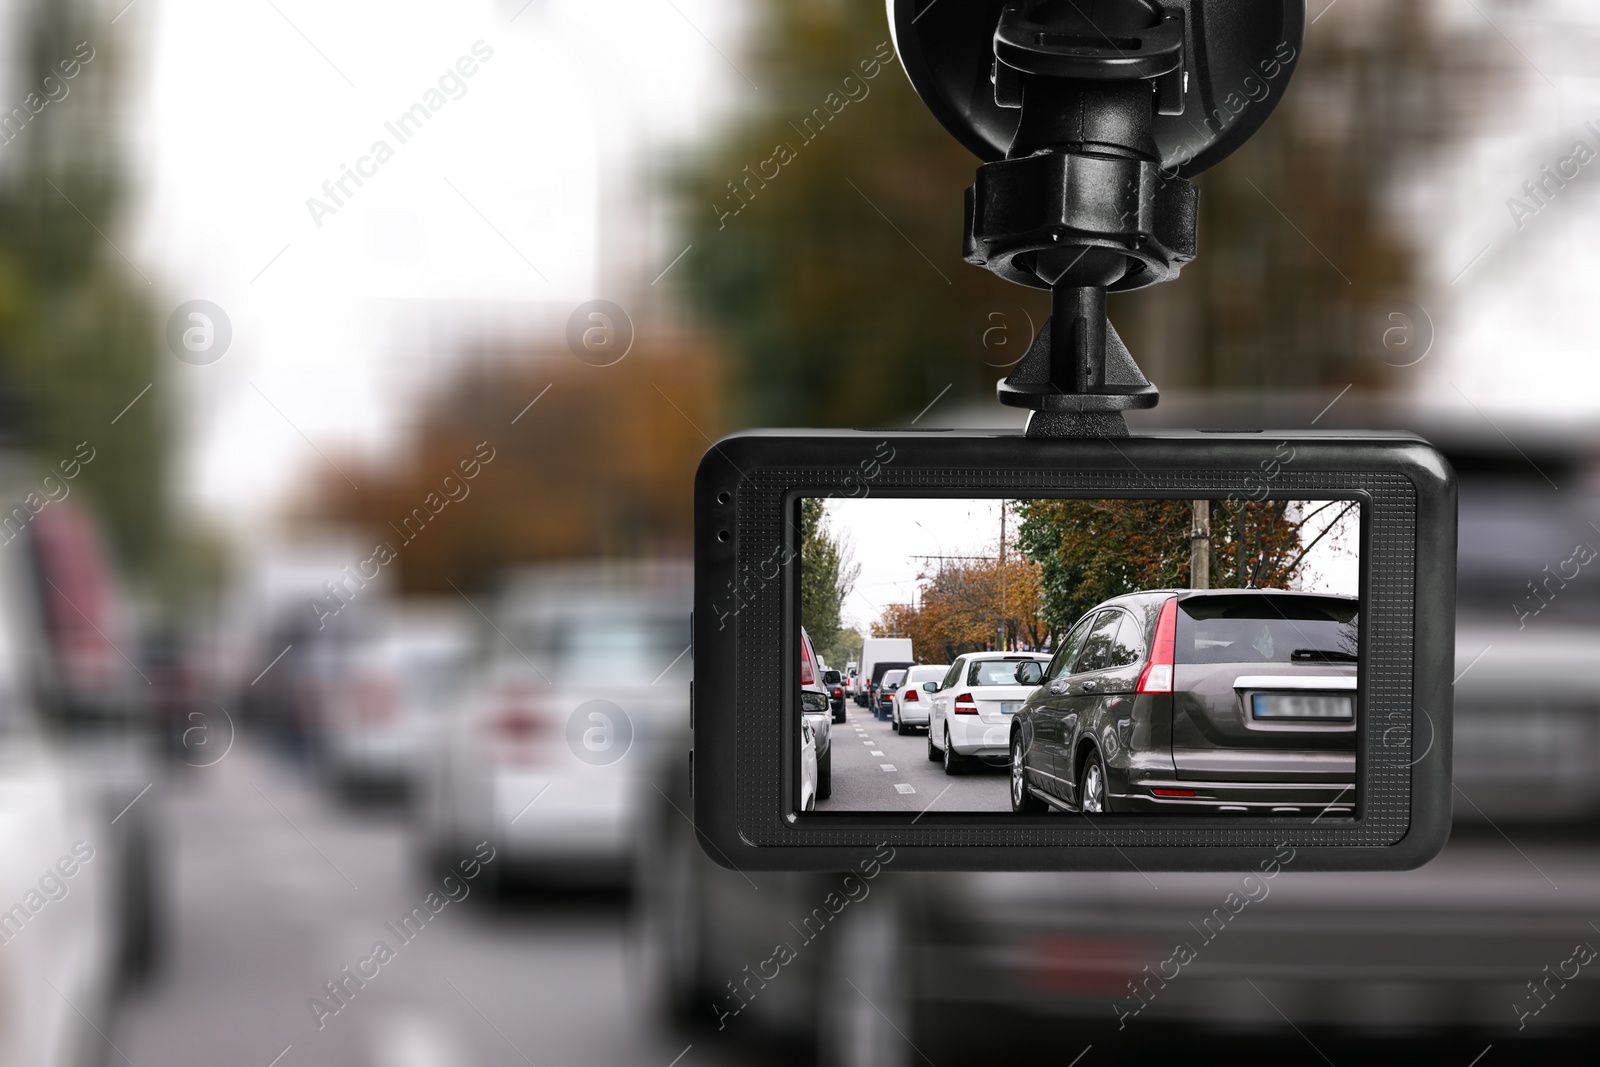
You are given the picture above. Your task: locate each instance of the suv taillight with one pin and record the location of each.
(1157, 674)
(965, 705)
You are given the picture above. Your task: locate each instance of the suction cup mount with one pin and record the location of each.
(1091, 115)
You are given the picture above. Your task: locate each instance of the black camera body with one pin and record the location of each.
(1354, 740)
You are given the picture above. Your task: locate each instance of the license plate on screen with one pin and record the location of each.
(1010, 707)
(1301, 706)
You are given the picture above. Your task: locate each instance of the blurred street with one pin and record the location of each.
(274, 889)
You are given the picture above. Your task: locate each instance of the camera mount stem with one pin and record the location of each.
(1080, 204)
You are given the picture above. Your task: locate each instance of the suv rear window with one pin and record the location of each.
(1261, 629)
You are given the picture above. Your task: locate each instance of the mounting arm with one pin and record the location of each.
(1091, 115)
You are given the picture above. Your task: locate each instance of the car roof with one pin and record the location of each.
(1189, 594)
(1006, 655)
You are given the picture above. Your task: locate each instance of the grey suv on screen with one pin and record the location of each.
(1180, 700)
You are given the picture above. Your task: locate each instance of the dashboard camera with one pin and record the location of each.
(1164, 651)
(1161, 726)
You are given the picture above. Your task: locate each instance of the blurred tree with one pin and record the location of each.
(79, 334)
(602, 466)
(826, 230)
(826, 577)
(1383, 87)
(826, 223)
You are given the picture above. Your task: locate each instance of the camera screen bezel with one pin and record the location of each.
(747, 642)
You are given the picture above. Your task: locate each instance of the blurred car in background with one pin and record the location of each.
(816, 708)
(910, 702)
(887, 688)
(581, 672)
(287, 702)
(93, 700)
(972, 708)
(833, 682)
(385, 711)
(1177, 700)
(64, 869)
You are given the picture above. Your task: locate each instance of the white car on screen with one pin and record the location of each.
(911, 702)
(808, 766)
(972, 705)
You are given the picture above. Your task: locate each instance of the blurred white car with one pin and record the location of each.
(582, 672)
(972, 708)
(388, 704)
(911, 704)
(58, 867)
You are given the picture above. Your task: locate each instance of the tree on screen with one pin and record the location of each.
(1089, 551)
(971, 605)
(827, 574)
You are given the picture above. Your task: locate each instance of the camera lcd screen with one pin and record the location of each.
(1093, 656)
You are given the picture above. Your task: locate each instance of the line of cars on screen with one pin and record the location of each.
(1224, 701)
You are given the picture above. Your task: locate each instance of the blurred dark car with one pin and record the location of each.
(833, 682)
(1185, 701)
(1476, 948)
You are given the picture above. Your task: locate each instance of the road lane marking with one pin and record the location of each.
(886, 767)
(901, 787)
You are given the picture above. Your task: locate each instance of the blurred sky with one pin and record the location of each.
(243, 110)
(890, 539)
(249, 108)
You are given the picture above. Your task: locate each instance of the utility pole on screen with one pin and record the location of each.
(1200, 546)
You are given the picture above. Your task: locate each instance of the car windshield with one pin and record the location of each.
(1526, 550)
(893, 678)
(1265, 629)
(602, 650)
(994, 672)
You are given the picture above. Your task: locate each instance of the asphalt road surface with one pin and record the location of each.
(273, 888)
(876, 769)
